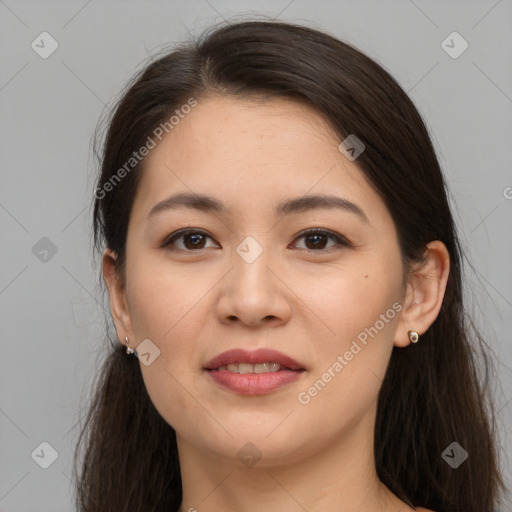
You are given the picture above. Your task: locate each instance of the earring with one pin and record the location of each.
(128, 349)
(413, 336)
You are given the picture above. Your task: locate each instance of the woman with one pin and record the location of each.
(285, 282)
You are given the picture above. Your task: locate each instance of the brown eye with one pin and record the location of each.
(191, 239)
(316, 240)
(194, 240)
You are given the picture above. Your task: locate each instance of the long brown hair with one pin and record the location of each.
(433, 393)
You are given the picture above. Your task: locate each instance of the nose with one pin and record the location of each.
(254, 293)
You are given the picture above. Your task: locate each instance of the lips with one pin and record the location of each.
(270, 371)
(240, 356)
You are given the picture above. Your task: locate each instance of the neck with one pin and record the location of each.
(340, 477)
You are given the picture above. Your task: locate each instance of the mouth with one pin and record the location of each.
(246, 368)
(253, 373)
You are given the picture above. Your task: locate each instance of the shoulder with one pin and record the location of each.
(421, 509)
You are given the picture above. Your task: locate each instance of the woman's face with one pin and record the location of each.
(249, 276)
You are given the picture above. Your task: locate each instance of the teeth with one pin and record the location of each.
(261, 367)
(244, 368)
(274, 367)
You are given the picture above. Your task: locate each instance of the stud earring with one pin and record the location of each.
(128, 349)
(413, 336)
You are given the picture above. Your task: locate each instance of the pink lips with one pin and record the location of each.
(254, 383)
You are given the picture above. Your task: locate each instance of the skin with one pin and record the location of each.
(309, 304)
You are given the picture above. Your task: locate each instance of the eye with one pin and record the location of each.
(317, 238)
(192, 239)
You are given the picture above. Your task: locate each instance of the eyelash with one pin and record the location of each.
(341, 241)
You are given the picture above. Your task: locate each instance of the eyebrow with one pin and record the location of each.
(210, 204)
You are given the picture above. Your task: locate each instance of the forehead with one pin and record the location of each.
(251, 154)
(265, 130)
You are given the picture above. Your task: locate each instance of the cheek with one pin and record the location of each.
(167, 309)
(361, 310)
(162, 303)
(351, 300)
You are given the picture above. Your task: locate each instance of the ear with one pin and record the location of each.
(424, 294)
(116, 291)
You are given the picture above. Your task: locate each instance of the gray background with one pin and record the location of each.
(52, 322)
